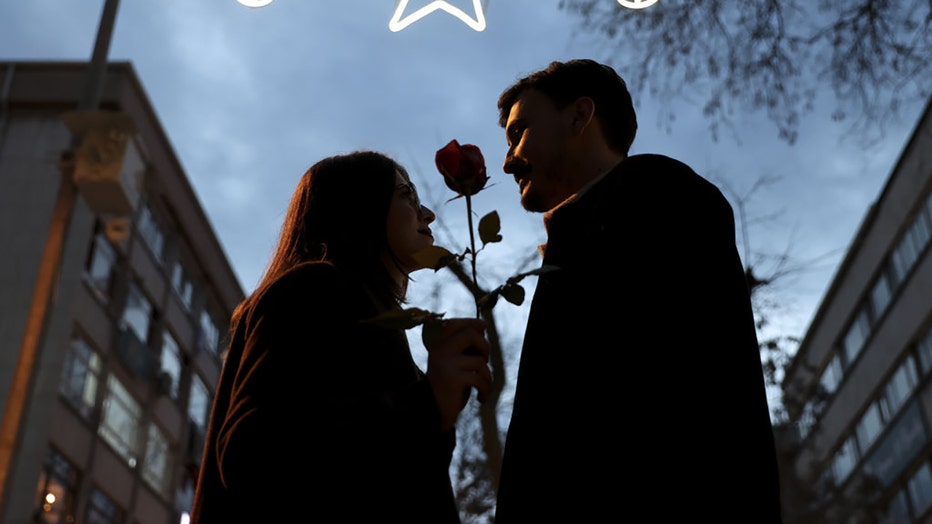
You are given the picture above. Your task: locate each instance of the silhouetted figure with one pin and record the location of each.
(318, 416)
(640, 390)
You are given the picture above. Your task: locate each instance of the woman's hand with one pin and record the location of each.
(457, 360)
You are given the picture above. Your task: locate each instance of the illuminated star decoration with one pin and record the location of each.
(637, 4)
(397, 23)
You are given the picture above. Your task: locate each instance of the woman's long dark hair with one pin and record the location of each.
(338, 213)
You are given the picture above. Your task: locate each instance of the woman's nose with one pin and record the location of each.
(427, 214)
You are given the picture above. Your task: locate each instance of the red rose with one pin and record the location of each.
(462, 167)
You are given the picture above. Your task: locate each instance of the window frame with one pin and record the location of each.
(83, 360)
(102, 257)
(121, 421)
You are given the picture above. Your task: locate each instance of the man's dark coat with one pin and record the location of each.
(640, 395)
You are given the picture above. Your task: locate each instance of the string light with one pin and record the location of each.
(399, 21)
(637, 4)
(254, 3)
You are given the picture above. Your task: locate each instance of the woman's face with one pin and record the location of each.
(408, 224)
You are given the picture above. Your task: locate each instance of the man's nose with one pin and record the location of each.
(508, 165)
(513, 165)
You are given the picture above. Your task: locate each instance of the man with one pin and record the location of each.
(640, 391)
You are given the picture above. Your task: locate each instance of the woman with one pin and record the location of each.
(319, 416)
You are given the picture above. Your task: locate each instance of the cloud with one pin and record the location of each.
(251, 97)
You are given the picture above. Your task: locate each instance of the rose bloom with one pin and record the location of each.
(462, 167)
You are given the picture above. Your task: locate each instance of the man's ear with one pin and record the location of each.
(583, 113)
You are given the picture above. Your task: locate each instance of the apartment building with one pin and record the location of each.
(127, 351)
(858, 389)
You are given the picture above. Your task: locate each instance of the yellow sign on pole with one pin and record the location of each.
(108, 169)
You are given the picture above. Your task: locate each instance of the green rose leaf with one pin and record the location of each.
(513, 293)
(489, 228)
(434, 257)
(431, 331)
(403, 318)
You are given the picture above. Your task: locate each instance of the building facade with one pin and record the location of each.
(127, 350)
(859, 388)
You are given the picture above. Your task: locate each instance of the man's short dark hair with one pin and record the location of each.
(566, 82)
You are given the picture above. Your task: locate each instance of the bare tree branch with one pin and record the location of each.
(773, 56)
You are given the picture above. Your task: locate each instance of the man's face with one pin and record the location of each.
(540, 138)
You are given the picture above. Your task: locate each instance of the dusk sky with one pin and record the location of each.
(251, 97)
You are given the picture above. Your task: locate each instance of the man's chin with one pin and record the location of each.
(532, 202)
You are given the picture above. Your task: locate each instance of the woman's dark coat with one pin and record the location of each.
(321, 418)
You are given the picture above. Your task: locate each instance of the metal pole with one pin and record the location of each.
(43, 297)
(94, 86)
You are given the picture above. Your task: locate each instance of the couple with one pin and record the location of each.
(639, 396)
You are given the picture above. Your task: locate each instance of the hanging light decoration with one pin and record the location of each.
(254, 3)
(399, 21)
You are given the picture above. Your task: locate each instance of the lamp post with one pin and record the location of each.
(11, 427)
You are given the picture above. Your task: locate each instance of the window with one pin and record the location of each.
(806, 420)
(183, 284)
(900, 387)
(138, 313)
(929, 206)
(198, 408)
(825, 483)
(121, 421)
(869, 427)
(156, 466)
(81, 377)
(912, 243)
(880, 296)
(171, 364)
(102, 510)
(856, 336)
(58, 484)
(198, 403)
(98, 272)
(134, 344)
(920, 490)
(897, 511)
(209, 335)
(152, 231)
(832, 375)
(920, 231)
(844, 460)
(925, 352)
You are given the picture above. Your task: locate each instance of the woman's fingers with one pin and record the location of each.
(459, 334)
(480, 377)
(461, 343)
(456, 362)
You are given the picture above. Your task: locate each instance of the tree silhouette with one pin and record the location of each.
(806, 498)
(769, 275)
(782, 57)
